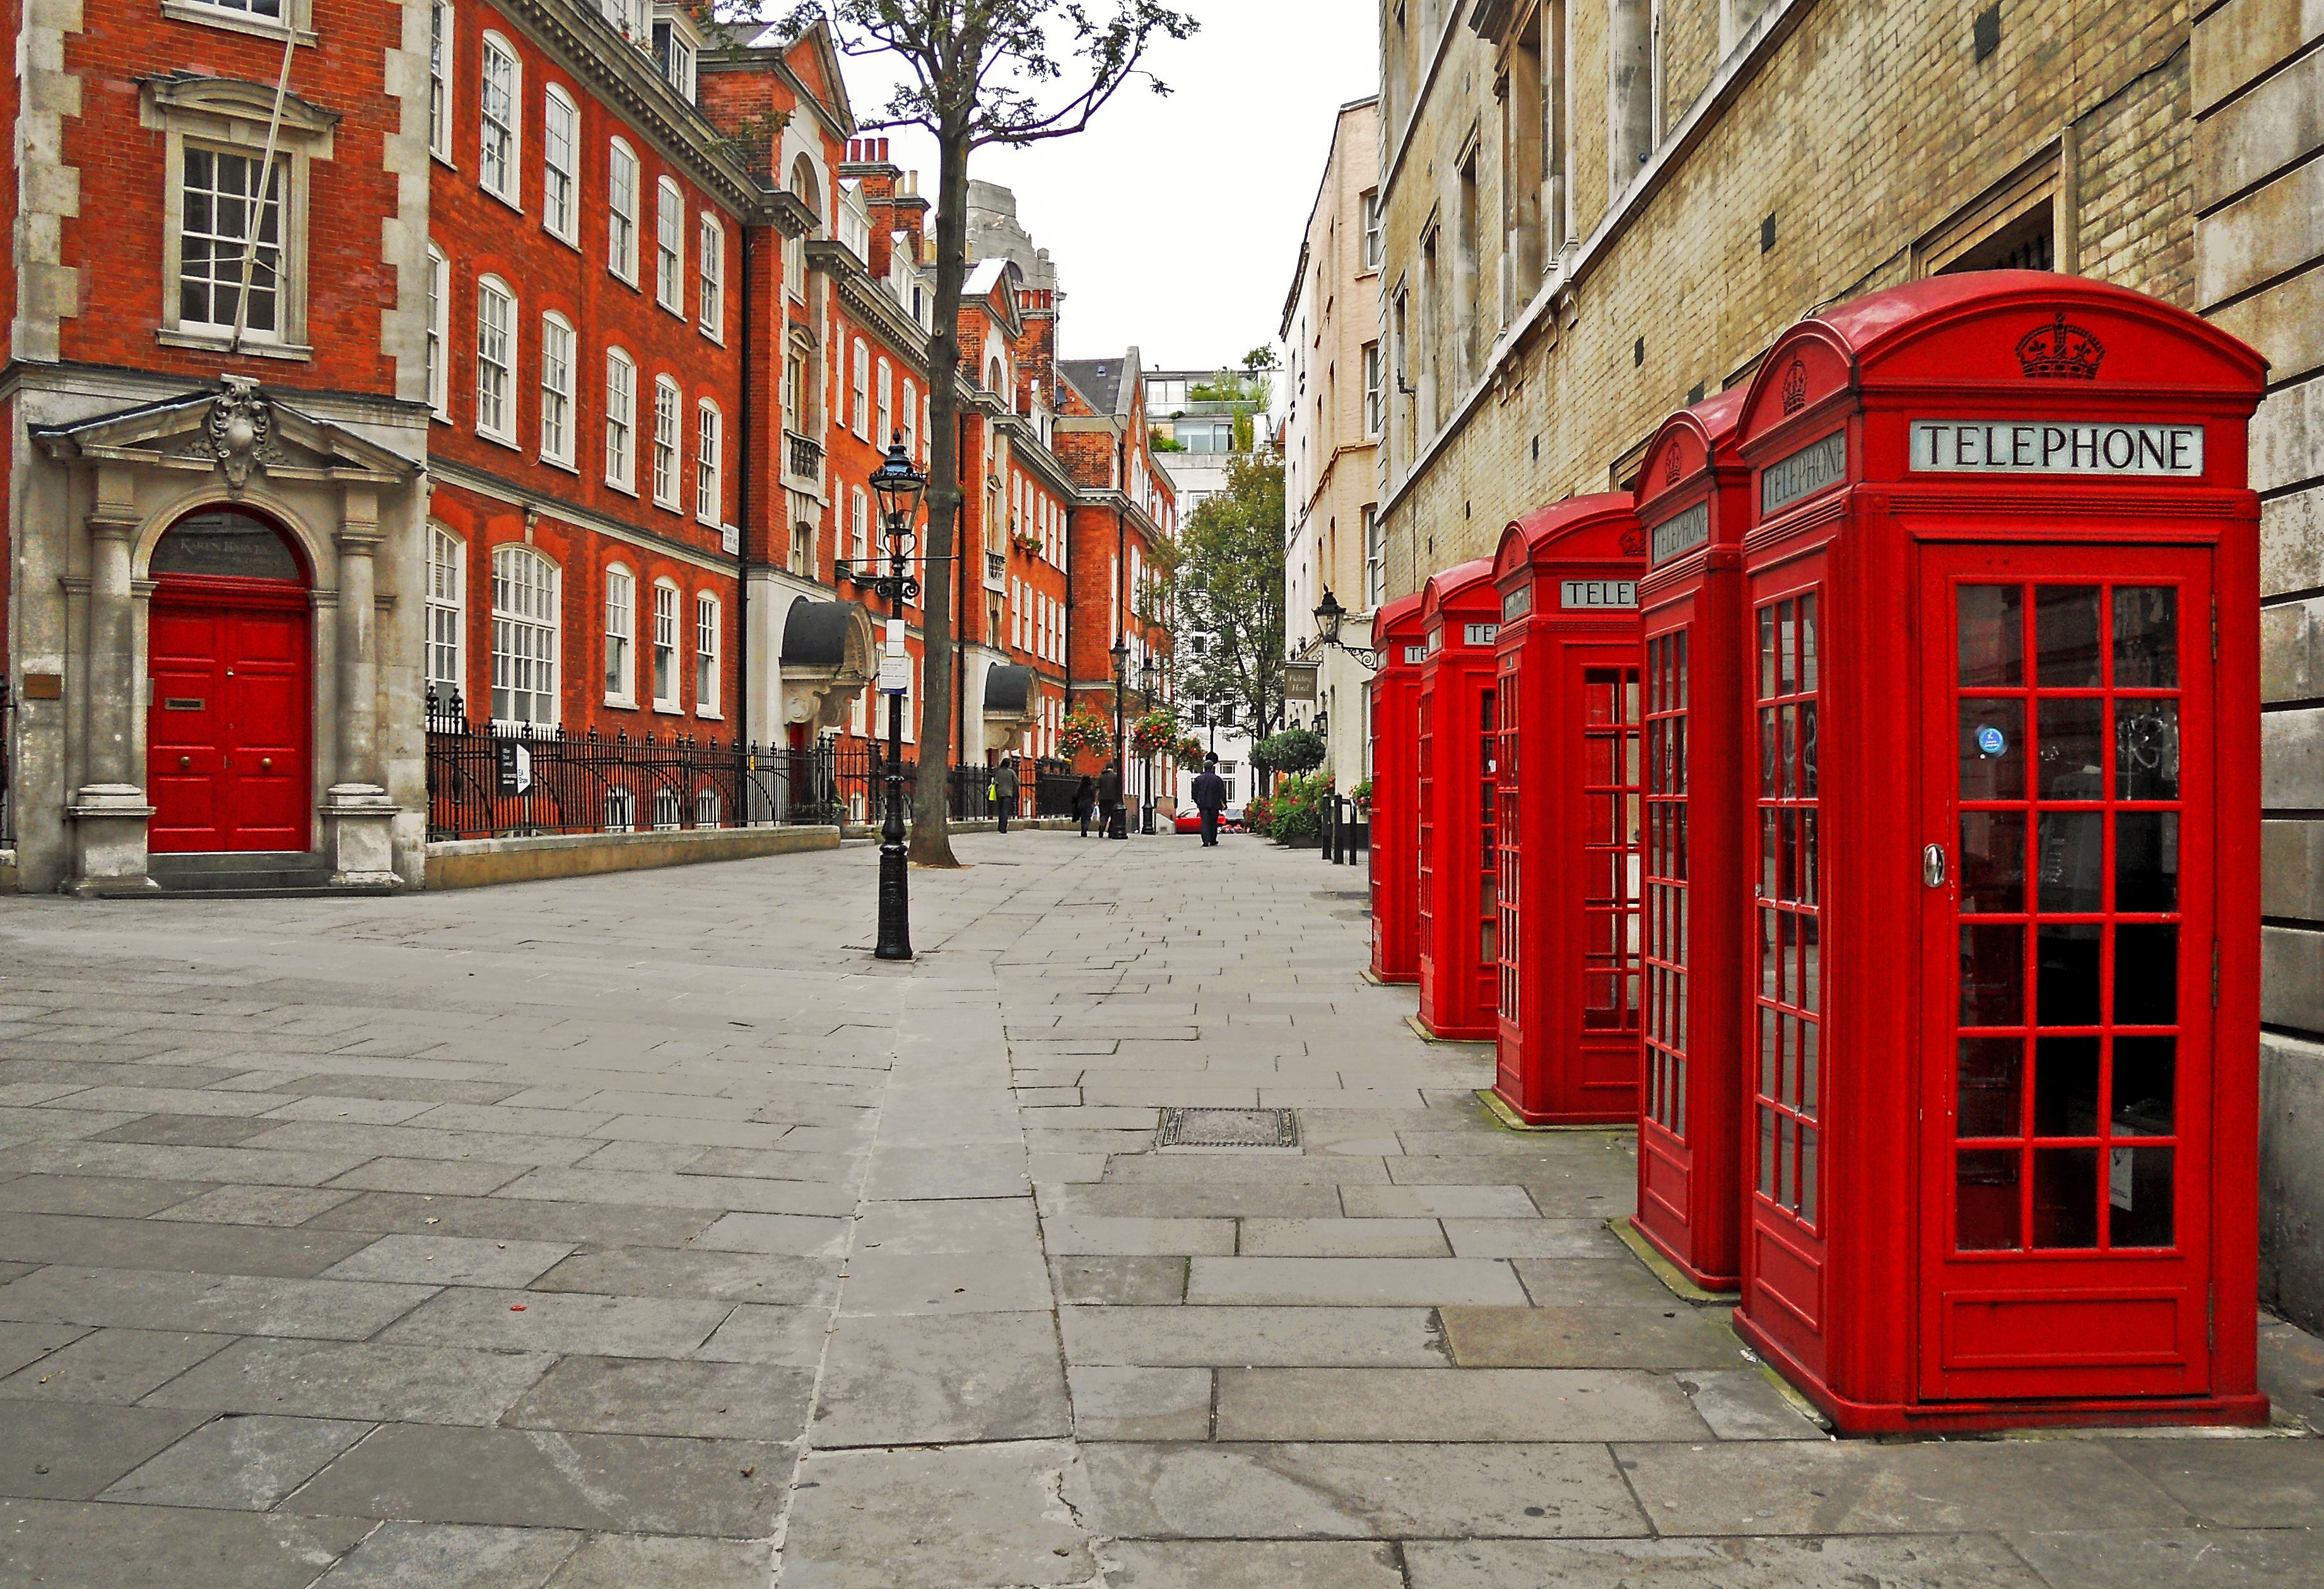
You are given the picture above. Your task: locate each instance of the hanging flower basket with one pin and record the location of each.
(1154, 733)
(1189, 752)
(1085, 733)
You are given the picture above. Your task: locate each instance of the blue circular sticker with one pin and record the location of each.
(1991, 739)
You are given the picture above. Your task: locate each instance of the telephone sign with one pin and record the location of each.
(1580, 593)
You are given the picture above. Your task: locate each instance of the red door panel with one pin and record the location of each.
(228, 730)
(2070, 766)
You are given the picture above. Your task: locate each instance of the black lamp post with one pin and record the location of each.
(1150, 673)
(1329, 615)
(899, 487)
(1121, 655)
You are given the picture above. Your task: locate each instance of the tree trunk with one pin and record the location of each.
(931, 843)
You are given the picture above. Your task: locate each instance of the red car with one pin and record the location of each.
(1190, 819)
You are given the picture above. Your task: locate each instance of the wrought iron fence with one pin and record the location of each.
(501, 780)
(1053, 783)
(7, 759)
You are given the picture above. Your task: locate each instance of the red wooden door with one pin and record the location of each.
(229, 733)
(2068, 938)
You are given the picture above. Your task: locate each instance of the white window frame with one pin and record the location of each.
(862, 403)
(621, 422)
(709, 464)
(706, 619)
(887, 404)
(668, 648)
(288, 249)
(711, 276)
(439, 330)
(446, 647)
(560, 165)
(1375, 230)
(670, 246)
(622, 173)
(861, 510)
(621, 635)
(536, 614)
(1375, 390)
(496, 361)
(558, 344)
(911, 419)
(666, 459)
(500, 137)
(442, 32)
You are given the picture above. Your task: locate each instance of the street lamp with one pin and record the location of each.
(899, 488)
(1329, 615)
(1149, 672)
(1121, 655)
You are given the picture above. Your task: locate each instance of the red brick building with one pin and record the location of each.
(523, 357)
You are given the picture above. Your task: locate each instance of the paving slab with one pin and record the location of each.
(791, 1336)
(509, 1219)
(2234, 1483)
(918, 1380)
(1353, 1492)
(627, 1561)
(1249, 1337)
(535, 1478)
(1218, 1200)
(118, 1366)
(548, 1321)
(724, 1277)
(137, 1243)
(447, 1384)
(234, 1305)
(1948, 1561)
(652, 1396)
(242, 1463)
(1378, 1282)
(1146, 1281)
(1342, 1238)
(1095, 1234)
(268, 1205)
(1677, 1336)
(1434, 1404)
(64, 1545)
(2172, 1558)
(1391, 1202)
(451, 1556)
(117, 1197)
(975, 1517)
(23, 1344)
(1249, 1564)
(451, 1261)
(70, 1452)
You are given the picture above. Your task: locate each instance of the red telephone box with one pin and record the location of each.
(2003, 657)
(1395, 704)
(1693, 499)
(1569, 693)
(1459, 612)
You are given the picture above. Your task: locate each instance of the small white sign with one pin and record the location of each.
(895, 672)
(1596, 592)
(2026, 447)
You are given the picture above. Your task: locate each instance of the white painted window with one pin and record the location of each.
(620, 636)
(440, 312)
(495, 360)
(705, 655)
(560, 158)
(1375, 559)
(665, 443)
(711, 309)
(230, 241)
(862, 425)
(620, 420)
(556, 390)
(439, 78)
(665, 646)
(862, 509)
(880, 438)
(1375, 391)
(524, 636)
(911, 419)
(670, 246)
(447, 582)
(709, 463)
(621, 211)
(499, 93)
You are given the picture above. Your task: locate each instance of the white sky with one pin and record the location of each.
(1175, 221)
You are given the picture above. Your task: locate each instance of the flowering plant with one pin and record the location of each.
(1156, 732)
(1189, 752)
(1085, 733)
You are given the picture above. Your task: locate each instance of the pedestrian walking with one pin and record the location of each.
(1085, 803)
(1210, 799)
(1004, 790)
(1109, 804)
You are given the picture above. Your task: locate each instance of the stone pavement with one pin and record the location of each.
(644, 1232)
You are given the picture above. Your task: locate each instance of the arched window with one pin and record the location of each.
(560, 151)
(495, 360)
(709, 458)
(557, 389)
(525, 623)
(705, 655)
(862, 425)
(621, 637)
(499, 93)
(226, 543)
(886, 405)
(670, 246)
(620, 420)
(621, 211)
(448, 588)
(993, 379)
(439, 310)
(666, 640)
(713, 267)
(665, 443)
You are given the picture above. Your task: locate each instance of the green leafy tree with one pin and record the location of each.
(1230, 589)
(978, 73)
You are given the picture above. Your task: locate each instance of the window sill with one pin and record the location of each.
(667, 506)
(621, 703)
(707, 716)
(669, 708)
(508, 441)
(613, 485)
(631, 282)
(233, 21)
(716, 334)
(565, 464)
(442, 157)
(516, 204)
(675, 311)
(208, 342)
(573, 241)
(511, 729)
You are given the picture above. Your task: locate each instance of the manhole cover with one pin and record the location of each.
(1229, 1128)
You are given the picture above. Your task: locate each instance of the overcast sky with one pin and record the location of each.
(1175, 221)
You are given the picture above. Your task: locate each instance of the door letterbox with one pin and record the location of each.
(1459, 612)
(1694, 502)
(2002, 651)
(1395, 858)
(1568, 695)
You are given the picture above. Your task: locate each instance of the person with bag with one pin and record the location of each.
(1109, 804)
(1003, 791)
(1085, 803)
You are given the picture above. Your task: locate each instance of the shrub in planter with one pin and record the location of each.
(1298, 810)
(1295, 751)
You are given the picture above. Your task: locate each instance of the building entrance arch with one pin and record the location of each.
(230, 653)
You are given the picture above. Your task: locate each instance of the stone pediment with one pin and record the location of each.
(237, 429)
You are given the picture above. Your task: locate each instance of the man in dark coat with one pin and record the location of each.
(1085, 803)
(1004, 790)
(1210, 799)
(1109, 803)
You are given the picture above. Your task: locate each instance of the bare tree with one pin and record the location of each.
(979, 73)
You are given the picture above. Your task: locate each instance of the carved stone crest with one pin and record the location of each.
(1795, 387)
(240, 431)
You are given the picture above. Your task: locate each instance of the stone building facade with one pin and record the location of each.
(2257, 78)
(1335, 402)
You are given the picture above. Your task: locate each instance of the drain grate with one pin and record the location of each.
(1229, 1128)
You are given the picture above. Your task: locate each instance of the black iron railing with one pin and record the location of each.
(498, 781)
(1053, 783)
(7, 758)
